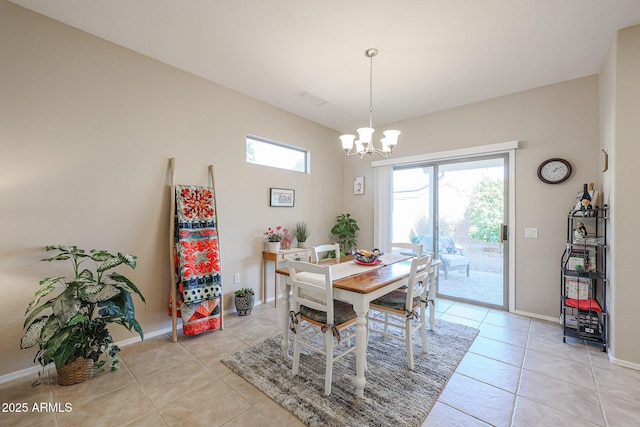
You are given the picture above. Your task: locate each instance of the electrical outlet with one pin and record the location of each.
(236, 278)
(531, 233)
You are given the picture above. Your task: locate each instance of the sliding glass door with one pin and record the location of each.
(457, 209)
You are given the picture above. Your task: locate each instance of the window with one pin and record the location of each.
(262, 151)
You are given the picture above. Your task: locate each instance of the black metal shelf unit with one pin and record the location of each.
(584, 276)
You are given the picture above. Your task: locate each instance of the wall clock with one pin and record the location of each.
(554, 171)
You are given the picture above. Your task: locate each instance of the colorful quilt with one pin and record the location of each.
(197, 260)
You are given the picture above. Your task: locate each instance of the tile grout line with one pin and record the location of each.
(524, 357)
(598, 393)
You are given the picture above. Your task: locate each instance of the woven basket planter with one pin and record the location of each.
(75, 372)
(244, 305)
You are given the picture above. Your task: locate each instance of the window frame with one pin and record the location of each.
(259, 139)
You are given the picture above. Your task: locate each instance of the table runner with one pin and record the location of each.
(351, 268)
(197, 260)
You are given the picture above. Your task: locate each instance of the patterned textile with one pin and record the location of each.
(395, 300)
(197, 260)
(342, 312)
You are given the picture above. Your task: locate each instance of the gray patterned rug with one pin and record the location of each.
(394, 396)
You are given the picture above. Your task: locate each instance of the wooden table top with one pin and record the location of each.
(367, 281)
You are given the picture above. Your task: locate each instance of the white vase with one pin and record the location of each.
(273, 246)
(303, 245)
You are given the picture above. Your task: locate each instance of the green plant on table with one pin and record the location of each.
(345, 229)
(302, 231)
(87, 303)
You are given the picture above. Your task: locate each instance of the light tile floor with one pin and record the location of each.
(518, 372)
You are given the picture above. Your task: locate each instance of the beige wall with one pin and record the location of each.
(553, 121)
(86, 131)
(620, 89)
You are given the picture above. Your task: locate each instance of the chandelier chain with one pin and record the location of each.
(371, 88)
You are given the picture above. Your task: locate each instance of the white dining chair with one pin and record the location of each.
(312, 302)
(405, 309)
(414, 249)
(402, 248)
(322, 249)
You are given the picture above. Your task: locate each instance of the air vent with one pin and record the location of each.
(310, 98)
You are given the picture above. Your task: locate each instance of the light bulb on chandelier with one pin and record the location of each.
(364, 145)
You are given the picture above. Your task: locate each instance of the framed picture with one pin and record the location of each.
(576, 262)
(282, 197)
(358, 185)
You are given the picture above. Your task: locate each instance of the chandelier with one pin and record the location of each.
(363, 144)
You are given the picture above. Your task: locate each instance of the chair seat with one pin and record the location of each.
(454, 260)
(342, 313)
(394, 300)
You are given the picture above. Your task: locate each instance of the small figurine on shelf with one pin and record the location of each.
(287, 239)
(580, 232)
(585, 202)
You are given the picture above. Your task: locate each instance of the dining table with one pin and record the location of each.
(358, 285)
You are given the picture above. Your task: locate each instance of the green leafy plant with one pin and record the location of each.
(486, 205)
(80, 313)
(345, 229)
(301, 231)
(243, 292)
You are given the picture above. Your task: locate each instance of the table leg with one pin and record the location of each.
(285, 289)
(361, 309)
(432, 298)
(275, 284)
(264, 281)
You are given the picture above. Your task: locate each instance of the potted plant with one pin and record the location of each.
(244, 300)
(345, 230)
(74, 334)
(302, 234)
(274, 238)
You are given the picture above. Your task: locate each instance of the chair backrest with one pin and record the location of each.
(317, 250)
(312, 286)
(418, 283)
(414, 249)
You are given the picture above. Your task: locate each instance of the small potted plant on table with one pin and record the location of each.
(244, 300)
(274, 238)
(302, 234)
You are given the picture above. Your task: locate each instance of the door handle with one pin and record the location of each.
(504, 232)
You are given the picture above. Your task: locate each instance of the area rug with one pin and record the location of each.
(394, 396)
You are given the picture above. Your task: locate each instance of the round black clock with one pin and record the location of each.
(554, 171)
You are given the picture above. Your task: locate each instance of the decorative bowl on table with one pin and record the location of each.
(363, 256)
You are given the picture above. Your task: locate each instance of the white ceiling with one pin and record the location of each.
(434, 54)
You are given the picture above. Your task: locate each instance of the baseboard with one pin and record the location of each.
(624, 363)
(34, 369)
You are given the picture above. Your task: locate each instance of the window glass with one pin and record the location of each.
(265, 152)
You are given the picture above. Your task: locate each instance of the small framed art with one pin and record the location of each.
(358, 185)
(576, 262)
(282, 197)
